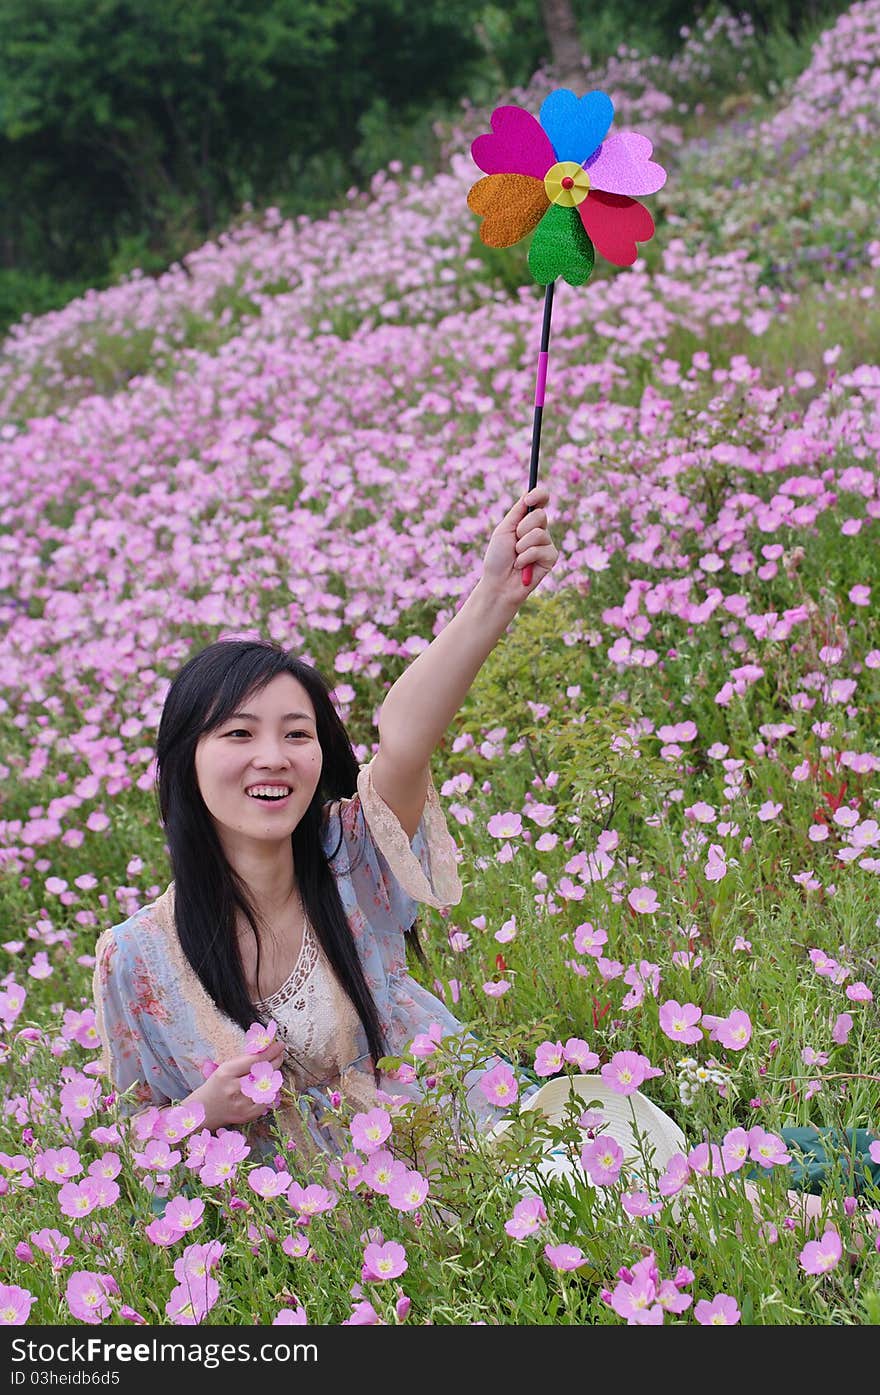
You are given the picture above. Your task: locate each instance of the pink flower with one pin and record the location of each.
(767, 1149)
(131, 1315)
(87, 1296)
(626, 1071)
(162, 1232)
(721, 1312)
(506, 825)
(425, 1043)
(548, 1058)
(386, 1261)
(311, 1200)
(381, 1170)
(60, 1164)
(564, 1257)
(77, 1198)
(290, 1317)
(363, 1314)
(679, 1023)
(602, 1160)
(589, 940)
(716, 866)
(191, 1300)
(823, 964)
(496, 989)
(643, 900)
(859, 993)
(157, 1156)
(735, 1149)
(15, 1305)
(259, 1036)
(640, 1204)
(266, 1182)
(221, 1161)
(676, 1176)
(733, 1032)
(499, 1085)
(578, 1053)
(51, 1242)
(184, 1213)
(198, 1260)
(296, 1246)
(262, 1083)
(842, 1028)
(705, 1160)
(369, 1131)
(402, 1307)
(635, 1299)
(671, 1299)
(818, 1256)
(408, 1191)
(528, 1216)
(108, 1165)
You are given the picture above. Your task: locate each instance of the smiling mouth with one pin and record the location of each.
(268, 794)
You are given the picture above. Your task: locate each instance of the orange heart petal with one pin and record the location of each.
(510, 205)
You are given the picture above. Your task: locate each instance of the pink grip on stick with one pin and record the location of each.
(541, 384)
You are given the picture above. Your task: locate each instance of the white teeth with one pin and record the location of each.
(271, 790)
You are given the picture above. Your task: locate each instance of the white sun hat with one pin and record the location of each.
(621, 1116)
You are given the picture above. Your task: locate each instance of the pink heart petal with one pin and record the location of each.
(623, 165)
(519, 145)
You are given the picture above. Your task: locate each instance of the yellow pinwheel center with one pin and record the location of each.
(567, 184)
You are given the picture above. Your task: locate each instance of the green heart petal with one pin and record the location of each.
(560, 247)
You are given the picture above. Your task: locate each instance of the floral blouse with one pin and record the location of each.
(159, 1027)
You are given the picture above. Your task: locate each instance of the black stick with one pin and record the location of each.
(540, 387)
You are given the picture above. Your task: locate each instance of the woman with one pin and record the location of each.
(292, 893)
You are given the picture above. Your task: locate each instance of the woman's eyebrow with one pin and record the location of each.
(288, 717)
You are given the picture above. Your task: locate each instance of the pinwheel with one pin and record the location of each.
(560, 178)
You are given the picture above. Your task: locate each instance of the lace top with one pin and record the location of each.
(313, 1015)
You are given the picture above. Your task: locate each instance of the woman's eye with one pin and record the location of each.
(297, 733)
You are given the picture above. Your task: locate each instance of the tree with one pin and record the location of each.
(150, 124)
(566, 50)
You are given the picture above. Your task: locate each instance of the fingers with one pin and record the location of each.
(532, 499)
(531, 537)
(241, 1065)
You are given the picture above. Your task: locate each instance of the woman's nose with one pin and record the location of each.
(272, 754)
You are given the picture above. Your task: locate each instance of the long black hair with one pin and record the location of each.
(207, 891)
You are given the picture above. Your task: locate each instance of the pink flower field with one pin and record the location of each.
(664, 784)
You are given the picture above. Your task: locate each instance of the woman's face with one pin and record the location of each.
(258, 771)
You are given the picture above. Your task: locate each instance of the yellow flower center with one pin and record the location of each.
(567, 184)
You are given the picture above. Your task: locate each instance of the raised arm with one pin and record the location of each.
(422, 703)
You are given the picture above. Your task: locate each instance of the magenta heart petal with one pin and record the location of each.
(623, 165)
(518, 145)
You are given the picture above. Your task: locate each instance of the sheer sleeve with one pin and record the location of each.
(127, 1011)
(424, 868)
(390, 873)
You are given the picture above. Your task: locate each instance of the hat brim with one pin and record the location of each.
(622, 1116)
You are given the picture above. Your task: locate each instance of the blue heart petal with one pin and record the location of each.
(576, 126)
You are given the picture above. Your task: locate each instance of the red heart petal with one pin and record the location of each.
(614, 224)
